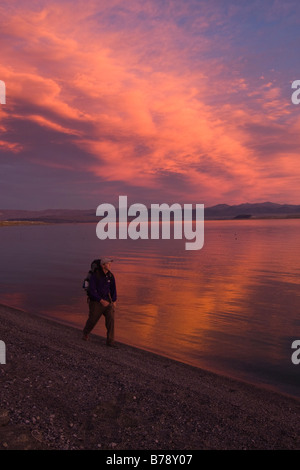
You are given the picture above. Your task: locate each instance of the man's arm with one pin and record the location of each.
(113, 289)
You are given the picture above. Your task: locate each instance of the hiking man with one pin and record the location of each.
(102, 296)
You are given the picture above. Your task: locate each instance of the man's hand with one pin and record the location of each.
(104, 303)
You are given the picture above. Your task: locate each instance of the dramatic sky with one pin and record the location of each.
(159, 100)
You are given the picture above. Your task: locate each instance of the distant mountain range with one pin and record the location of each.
(218, 212)
(258, 210)
(50, 215)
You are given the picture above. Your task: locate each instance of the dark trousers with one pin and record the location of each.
(96, 310)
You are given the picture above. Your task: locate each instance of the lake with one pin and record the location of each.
(231, 307)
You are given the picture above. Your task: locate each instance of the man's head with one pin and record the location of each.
(105, 263)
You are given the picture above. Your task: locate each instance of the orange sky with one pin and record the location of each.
(161, 101)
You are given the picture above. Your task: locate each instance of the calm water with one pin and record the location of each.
(232, 307)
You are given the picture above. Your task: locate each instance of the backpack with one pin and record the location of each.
(86, 282)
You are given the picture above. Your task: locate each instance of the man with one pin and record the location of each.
(102, 294)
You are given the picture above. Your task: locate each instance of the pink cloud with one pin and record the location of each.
(146, 102)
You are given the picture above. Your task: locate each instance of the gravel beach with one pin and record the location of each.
(61, 393)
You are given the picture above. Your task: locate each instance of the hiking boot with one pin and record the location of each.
(112, 345)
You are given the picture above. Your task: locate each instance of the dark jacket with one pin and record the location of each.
(102, 286)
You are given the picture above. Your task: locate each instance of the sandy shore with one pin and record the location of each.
(59, 392)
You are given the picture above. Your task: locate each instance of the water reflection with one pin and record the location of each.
(230, 307)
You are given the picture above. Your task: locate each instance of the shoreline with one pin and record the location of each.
(59, 392)
(12, 223)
